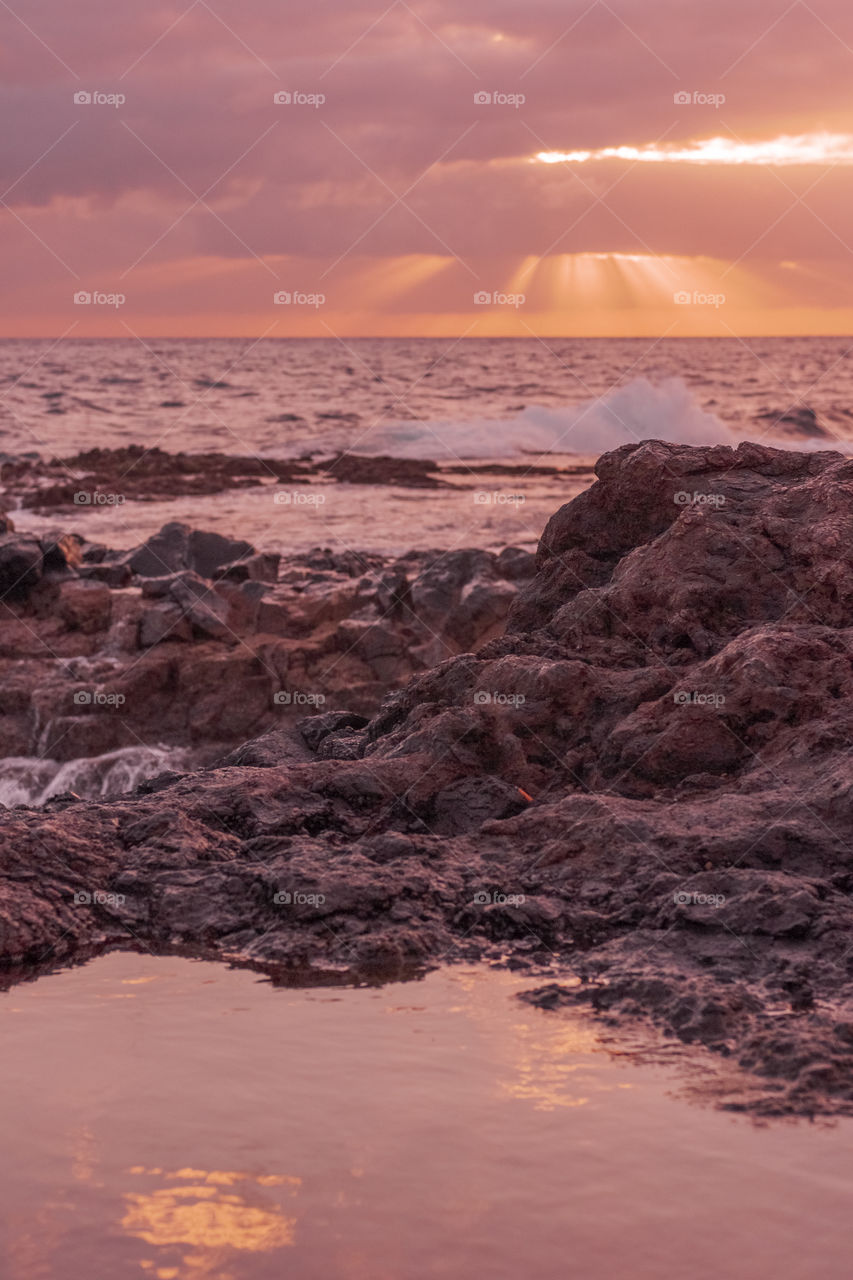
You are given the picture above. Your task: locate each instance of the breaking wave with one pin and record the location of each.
(640, 410)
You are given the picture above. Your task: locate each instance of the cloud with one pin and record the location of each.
(198, 163)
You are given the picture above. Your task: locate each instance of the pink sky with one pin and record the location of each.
(398, 198)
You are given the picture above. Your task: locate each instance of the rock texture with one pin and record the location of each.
(194, 640)
(140, 472)
(643, 783)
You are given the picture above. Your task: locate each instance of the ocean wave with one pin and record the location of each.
(639, 410)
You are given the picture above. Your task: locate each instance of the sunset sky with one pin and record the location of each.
(637, 167)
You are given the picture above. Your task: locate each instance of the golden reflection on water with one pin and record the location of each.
(190, 1223)
(544, 1061)
(206, 1214)
(545, 1064)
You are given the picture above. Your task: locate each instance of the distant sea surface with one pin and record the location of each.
(524, 401)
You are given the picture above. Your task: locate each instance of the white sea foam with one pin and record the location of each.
(639, 410)
(32, 780)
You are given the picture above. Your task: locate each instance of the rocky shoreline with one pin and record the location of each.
(625, 767)
(147, 473)
(196, 641)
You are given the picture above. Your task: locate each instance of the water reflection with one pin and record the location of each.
(543, 1061)
(211, 1127)
(199, 1209)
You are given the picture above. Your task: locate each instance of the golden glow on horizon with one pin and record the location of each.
(595, 293)
(806, 148)
(387, 280)
(620, 280)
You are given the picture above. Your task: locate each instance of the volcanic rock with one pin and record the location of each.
(21, 564)
(644, 779)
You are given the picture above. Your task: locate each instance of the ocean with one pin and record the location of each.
(464, 402)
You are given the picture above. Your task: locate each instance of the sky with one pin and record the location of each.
(439, 167)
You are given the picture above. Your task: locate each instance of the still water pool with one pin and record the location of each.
(166, 1119)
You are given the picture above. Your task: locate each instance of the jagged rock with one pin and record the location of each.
(178, 547)
(61, 550)
(163, 554)
(208, 552)
(21, 564)
(114, 575)
(315, 728)
(85, 606)
(382, 647)
(515, 563)
(261, 567)
(645, 778)
(163, 621)
(282, 746)
(206, 612)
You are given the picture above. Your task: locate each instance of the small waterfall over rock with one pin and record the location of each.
(32, 781)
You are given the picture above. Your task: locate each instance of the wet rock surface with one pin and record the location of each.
(638, 783)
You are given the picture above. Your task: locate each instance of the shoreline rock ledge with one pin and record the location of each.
(643, 787)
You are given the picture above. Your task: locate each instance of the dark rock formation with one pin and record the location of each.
(201, 642)
(644, 782)
(105, 476)
(21, 565)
